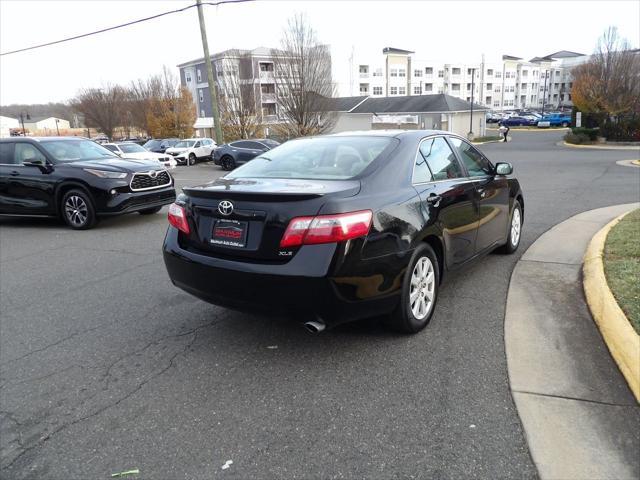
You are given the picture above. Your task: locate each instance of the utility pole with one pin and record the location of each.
(212, 85)
(57, 129)
(470, 134)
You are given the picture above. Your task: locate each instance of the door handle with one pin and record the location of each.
(14, 173)
(434, 199)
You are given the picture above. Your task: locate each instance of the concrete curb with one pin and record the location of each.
(621, 338)
(580, 419)
(536, 129)
(483, 143)
(601, 147)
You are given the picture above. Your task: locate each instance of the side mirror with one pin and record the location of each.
(504, 168)
(43, 166)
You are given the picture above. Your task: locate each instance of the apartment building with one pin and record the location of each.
(506, 84)
(250, 68)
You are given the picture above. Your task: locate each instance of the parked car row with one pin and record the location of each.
(133, 150)
(529, 118)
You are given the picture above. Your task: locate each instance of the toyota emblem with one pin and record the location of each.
(153, 173)
(225, 207)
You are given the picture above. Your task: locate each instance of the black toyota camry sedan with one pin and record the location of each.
(78, 180)
(342, 227)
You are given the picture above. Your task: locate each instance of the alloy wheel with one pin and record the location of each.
(76, 210)
(515, 227)
(421, 293)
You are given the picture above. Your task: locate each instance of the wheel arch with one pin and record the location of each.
(436, 244)
(64, 188)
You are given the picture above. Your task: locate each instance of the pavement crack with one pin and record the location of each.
(565, 397)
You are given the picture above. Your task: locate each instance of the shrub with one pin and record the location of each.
(592, 133)
(576, 138)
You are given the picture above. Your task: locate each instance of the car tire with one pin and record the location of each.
(565, 124)
(192, 159)
(419, 292)
(150, 211)
(515, 230)
(77, 210)
(227, 162)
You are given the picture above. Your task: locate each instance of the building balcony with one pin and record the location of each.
(266, 76)
(268, 97)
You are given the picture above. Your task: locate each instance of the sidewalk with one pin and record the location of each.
(580, 418)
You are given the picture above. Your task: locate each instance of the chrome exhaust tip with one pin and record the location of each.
(315, 326)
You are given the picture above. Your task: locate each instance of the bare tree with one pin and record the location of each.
(160, 106)
(102, 107)
(238, 109)
(610, 81)
(303, 80)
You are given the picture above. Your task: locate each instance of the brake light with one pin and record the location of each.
(178, 218)
(326, 228)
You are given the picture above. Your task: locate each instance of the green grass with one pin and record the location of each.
(488, 138)
(622, 265)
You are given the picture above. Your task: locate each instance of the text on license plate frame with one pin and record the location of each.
(229, 233)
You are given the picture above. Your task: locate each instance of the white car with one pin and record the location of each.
(192, 149)
(135, 151)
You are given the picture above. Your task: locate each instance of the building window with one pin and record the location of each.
(202, 113)
(512, 88)
(428, 87)
(487, 101)
(268, 88)
(468, 99)
(497, 89)
(428, 70)
(468, 87)
(402, 72)
(469, 71)
(394, 72)
(417, 91)
(201, 96)
(377, 90)
(498, 74)
(496, 103)
(455, 71)
(402, 90)
(525, 73)
(523, 86)
(199, 75)
(364, 70)
(266, 67)
(455, 87)
(187, 77)
(393, 90)
(417, 73)
(489, 86)
(490, 72)
(268, 109)
(440, 73)
(377, 72)
(364, 89)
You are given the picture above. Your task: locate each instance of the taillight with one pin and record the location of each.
(326, 228)
(178, 218)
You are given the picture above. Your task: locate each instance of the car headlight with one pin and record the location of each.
(105, 173)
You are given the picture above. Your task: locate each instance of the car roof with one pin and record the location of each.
(42, 139)
(390, 133)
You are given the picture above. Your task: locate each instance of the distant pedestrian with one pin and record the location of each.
(504, 131)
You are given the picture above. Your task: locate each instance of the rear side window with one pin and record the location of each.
(477, 165)
(440, 159)
(6, 153)
(242, 144)
(322, 158)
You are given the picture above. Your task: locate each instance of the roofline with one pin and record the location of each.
(416, 113)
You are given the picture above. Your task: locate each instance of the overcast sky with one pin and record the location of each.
(451, 31)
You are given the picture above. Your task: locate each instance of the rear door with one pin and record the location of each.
(447, 197)
(245, 151)
(492, 194)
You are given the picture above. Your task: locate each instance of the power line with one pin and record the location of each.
(68, 39)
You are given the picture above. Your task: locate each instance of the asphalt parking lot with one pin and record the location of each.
(105, 366)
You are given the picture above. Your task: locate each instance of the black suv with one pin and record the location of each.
(159, 145)
(78, 180)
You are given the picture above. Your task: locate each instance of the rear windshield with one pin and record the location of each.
(131, 148)
(323, 158)
(152, 144)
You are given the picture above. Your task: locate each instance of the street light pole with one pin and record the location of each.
(212, 85)
(57, 129)
(544, 91)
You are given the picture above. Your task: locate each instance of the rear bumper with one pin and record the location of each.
(305, 286)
